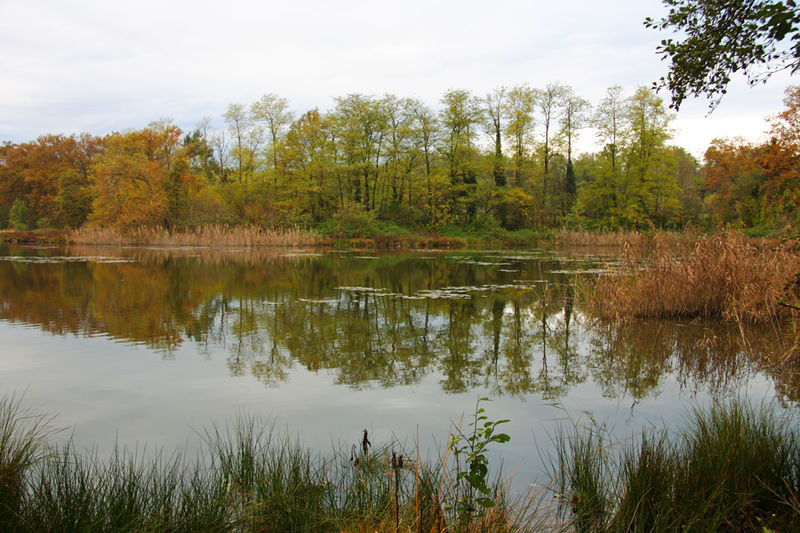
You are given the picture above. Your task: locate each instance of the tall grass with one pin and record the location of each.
(22, 435)
(722, 276)
(567, 237)
(732, 468)
(213, 235)
(246, 477)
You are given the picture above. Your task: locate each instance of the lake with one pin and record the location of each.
(149, 347)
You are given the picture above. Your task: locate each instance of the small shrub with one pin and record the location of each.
(19, 215)
(349, 222)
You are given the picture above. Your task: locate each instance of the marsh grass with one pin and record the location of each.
(618, 238)
(247, 477)
(732, 468)
(212, 235)
(723, 276)
(22, 437)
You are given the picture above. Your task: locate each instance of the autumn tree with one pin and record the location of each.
(734, 180)
(131, 178)
(782, 157)
(51, 175)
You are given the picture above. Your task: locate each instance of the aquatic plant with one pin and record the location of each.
(733, 467)
(722, 276)
(23, 435)
(246, 477)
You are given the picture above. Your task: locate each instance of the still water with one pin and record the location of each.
(150, 347)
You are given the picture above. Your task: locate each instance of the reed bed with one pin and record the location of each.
(566, 237)
(246, 477)
(229, 255)
(725, 276)
(213, 236)
(732, 467)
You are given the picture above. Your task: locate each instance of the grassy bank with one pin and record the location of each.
(246, 478)
(731, 468)
(726, 276)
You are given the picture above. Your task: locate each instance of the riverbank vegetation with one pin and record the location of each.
(741, 466)
(215, 235)
(732, 467)
(495, 168)
(724, 276)
(246, 478)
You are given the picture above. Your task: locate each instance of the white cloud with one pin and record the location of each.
(74, 65)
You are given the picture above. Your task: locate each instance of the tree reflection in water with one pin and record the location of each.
(505, 322)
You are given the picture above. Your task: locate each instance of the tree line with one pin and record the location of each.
(506, 160)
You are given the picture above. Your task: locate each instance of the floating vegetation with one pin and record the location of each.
(371, 290)
(579, 271)
(66, 259)
(301, 254)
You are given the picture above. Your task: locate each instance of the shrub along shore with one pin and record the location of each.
(731, 468)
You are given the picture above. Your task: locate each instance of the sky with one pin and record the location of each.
(70, 66)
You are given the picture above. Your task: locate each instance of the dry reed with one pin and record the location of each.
(566, 237)
(215, 236)
(723, 276)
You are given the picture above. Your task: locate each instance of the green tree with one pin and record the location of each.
(361, 133)
(314, 185)
(248, 136)
(720, 38)
(574, 115)
(20, 215)
(518, 111)
(460, 116)
(495, 104)
(648, 123)
(274, 112)
(608, 120)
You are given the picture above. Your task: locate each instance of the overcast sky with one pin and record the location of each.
(69, 66)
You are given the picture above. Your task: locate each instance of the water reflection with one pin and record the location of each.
(506, 322)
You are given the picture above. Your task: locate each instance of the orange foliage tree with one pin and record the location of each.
(51, 174)
(757, 184)
(133, 181)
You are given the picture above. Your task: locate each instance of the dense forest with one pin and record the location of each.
(503, 161)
